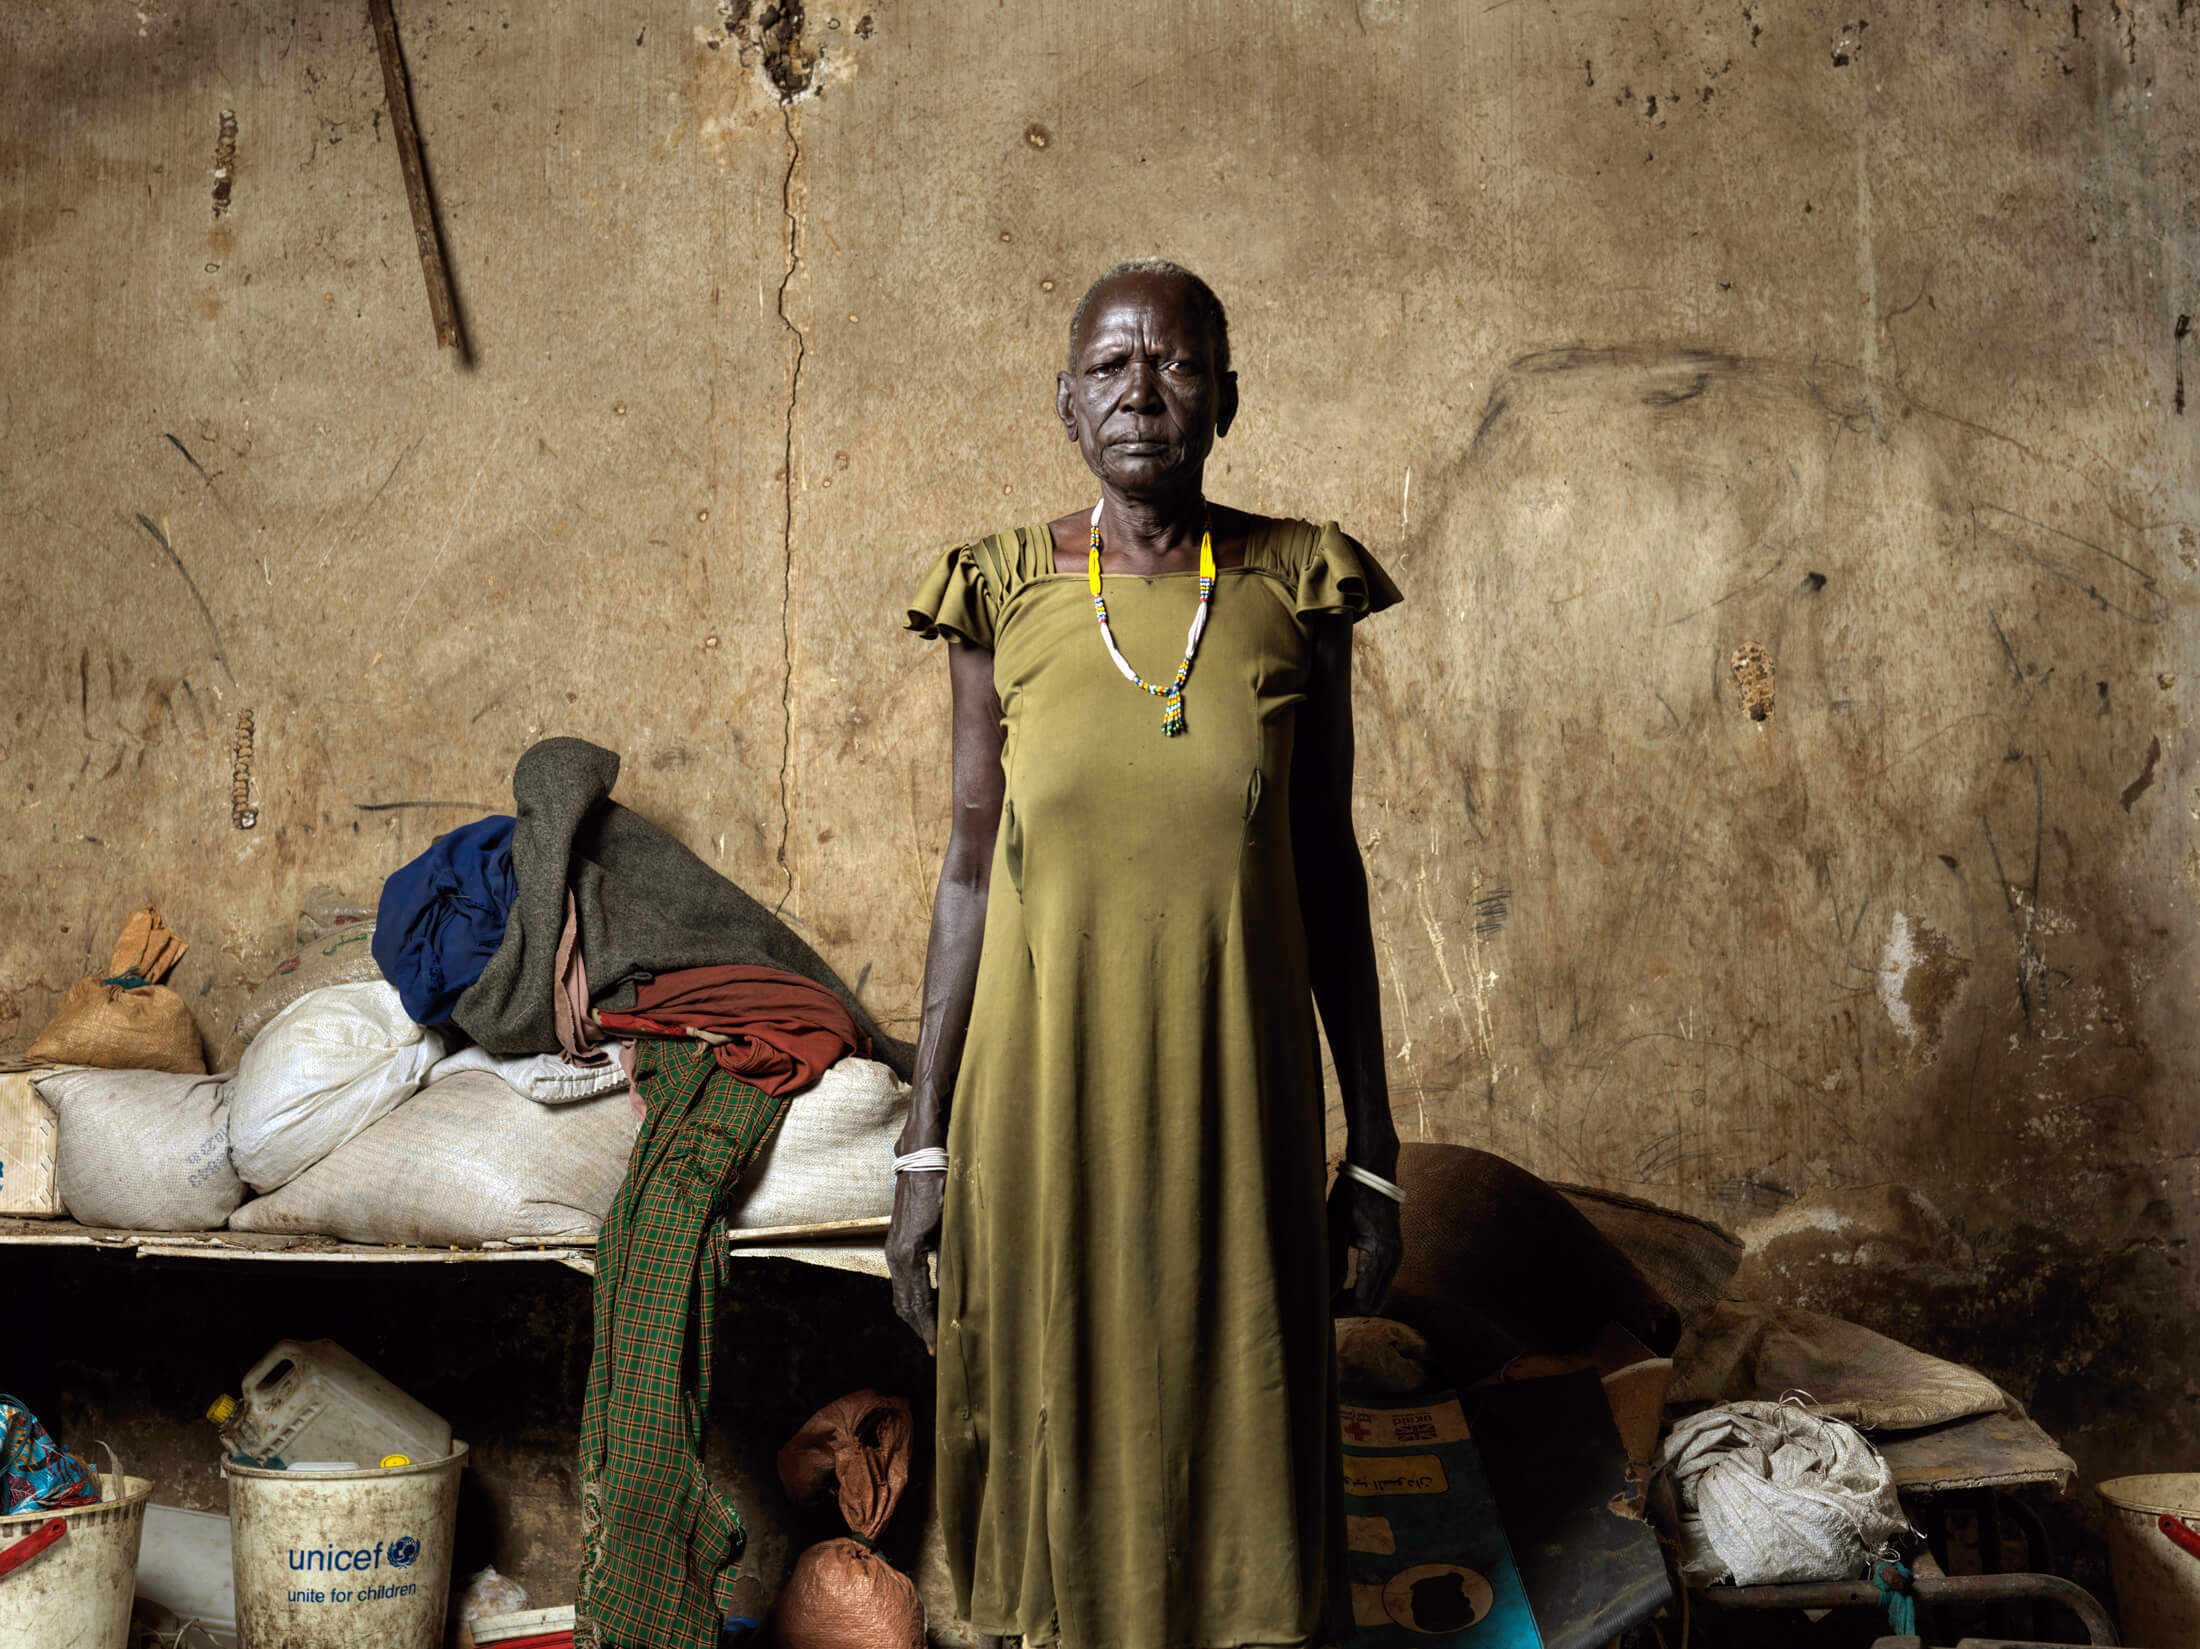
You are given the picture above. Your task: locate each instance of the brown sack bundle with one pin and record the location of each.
(843, 1595)
(127, 1021)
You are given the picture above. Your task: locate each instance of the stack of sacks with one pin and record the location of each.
(462, 1094)
(471, 1159)
(146, 1150)
(402, 1079)
(142, 1133)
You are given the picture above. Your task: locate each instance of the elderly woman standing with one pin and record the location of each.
(1116, 1142)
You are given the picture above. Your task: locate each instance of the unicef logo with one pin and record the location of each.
(403, 1551)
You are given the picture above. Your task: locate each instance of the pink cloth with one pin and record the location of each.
(578, 1036)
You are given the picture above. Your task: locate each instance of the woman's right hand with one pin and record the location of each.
(912, 1239)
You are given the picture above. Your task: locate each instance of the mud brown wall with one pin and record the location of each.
(1678, 359)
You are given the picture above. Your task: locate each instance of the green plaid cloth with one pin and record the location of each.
(660, 1549)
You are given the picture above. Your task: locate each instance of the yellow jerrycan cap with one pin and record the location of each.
(389, 1460)
(221, 1409)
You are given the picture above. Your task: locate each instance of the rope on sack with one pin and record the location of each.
(131, 981)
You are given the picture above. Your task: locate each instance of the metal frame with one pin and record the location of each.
(1928, 1590)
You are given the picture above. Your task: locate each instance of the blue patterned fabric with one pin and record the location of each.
(36, 1473)
(443, 916)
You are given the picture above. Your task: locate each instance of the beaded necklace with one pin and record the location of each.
(1171, 696)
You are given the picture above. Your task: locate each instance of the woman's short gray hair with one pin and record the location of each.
(1209, 306)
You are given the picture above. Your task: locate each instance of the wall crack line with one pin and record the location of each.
(786, 588)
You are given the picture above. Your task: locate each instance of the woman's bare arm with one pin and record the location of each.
(1340, 943)
(950, 979)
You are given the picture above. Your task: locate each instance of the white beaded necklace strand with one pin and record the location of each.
(1171, 696)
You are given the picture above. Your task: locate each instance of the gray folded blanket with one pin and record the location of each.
(646, 906)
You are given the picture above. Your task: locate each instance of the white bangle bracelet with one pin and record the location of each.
(1374, 1182)
(925, 1159)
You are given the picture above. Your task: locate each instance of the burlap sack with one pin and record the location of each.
(843, 1595)
(127, 1021)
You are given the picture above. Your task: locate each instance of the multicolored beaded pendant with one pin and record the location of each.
(1171, 696)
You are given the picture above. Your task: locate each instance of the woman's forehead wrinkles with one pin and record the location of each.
(1131, 326)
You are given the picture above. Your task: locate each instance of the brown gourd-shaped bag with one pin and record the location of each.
(843, 1594)
(128, 1020)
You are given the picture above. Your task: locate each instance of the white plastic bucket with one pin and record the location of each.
(2157, 1583)
(76, 1593)
(344, 1560)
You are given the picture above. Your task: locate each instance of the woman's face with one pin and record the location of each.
(1143, 399)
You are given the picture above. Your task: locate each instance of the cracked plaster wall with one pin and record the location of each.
(1681, 362)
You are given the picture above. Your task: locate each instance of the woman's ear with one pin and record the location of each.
(1064, 404)
(1226, 413)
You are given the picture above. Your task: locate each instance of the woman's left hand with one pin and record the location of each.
(1362, 1218)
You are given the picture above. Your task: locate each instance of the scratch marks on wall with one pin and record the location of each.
(458, 520)
(1752, 667)
(1744, 586)
(242, 813)
(187, 458)
(2138, 787)
(159, 536)
(2116, 585)
(2178, 334)
(1867, 263)
(789, 208)
(225, 162)
(406, 807)
(2022, 899)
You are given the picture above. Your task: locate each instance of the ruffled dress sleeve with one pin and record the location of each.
(955, 600)
(1337, 576)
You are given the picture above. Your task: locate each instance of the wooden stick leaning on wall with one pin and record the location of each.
(442, 303)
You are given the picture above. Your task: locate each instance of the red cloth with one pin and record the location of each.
(782, 1030)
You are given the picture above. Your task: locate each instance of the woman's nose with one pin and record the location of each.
(1141, 386)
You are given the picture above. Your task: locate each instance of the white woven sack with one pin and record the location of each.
(463, 1162)
(833, 1157)
(142, 1150)
(544, 1078)
(1770, 1493)
(325, 1068)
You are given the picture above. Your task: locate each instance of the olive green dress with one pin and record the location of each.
(1137, 1402)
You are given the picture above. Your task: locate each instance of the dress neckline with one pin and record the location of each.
(1043, 531)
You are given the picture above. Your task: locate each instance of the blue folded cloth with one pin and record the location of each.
(443, 916)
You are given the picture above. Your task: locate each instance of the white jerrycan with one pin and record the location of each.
(311, 1400)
